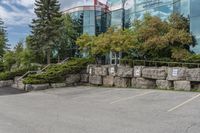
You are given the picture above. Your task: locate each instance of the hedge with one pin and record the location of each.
(10, 75)
(57, 73)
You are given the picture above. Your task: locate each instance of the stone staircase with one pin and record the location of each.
(18, 84)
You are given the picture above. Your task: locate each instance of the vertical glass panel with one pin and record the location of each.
(185, 7)
(116, 19)
(195, 8)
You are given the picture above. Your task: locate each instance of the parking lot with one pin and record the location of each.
(100, 110)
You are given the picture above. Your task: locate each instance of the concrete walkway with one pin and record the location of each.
(99, 110)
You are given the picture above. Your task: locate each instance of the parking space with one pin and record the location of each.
(100, 110)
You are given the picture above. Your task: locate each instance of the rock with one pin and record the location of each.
(108, 81)
(112, 70)
(176, 73)
(101, 71)
(125, 72)
(122, 82)
(72, 78)
(58, 85)
(145, 83)
(6, 83)
(154, 73)
(133, 82)
(31, 87)
(90, 69)
(182, 85)
(138, 71)
(164, 84)
(84, 78)
(193, 74)
(95, 80)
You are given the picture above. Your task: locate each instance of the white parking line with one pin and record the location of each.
(182, 104)
(128, 98)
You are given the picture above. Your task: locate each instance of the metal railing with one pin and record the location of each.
(158, 63)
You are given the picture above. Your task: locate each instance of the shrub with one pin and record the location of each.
(57, 73)
(9, 75)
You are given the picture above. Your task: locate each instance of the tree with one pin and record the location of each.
(69, 34)
(3, 38)
(46, 27)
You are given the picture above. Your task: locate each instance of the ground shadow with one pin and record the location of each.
(10, 91)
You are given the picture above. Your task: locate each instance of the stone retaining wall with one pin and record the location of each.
(177, 78)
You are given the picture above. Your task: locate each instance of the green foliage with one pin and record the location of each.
(3, 38)
(58, 72)
(150, 38)
(46, 27)
(9, 75)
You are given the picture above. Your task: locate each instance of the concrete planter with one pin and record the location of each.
(58, 85)
(6, 83)
(31, 87)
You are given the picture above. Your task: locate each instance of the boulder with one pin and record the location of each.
(58, 85)
(138, 71)
(101, 71)
(133, 82)
(72, 78)
(95, 80)
(108, 81)
(84, 78)
(154, 73)
(31, 87)
(176, 73)
(164, 84)
(182, 85)
(193, 74)
(145, 83)
(90, 69)
(122, 82)
(125, 72)
(6, 83)
(112, 70)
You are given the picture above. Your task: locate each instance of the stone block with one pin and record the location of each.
(182, 85)
(164, 84)
(176, 73)
(112, 70)
(31, 87)
(193, 74)
(138, 71)
(84, 78)
(90, 69)
(145, 83)
(108, 81)
(72, 78)
(6, 83)
(133, 82)
(154, 73)
(101, 71)
(126, 72)
(95, 80)
(122, 82)
(58, 85)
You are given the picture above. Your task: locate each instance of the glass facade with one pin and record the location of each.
(135, 9)
(96, 19)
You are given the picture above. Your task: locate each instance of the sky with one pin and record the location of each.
(18, 14)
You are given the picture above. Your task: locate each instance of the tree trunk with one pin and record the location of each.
(58, 58)
(49, 56)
